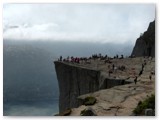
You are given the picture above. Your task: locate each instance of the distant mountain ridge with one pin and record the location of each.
(145, 44)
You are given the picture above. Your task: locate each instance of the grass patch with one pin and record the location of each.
(87, 112)
(147, 103)
(89, 100)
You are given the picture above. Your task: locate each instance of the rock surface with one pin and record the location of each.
(77, 79)
(121, 100)
(145, 44)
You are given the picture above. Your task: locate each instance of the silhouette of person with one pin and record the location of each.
(140, 73)
(150, 77)
(135, 80)
(60, 58)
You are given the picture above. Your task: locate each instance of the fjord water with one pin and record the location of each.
(31, 108)
(30, 86)
(29, 83)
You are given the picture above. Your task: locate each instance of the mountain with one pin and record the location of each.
(145, 44)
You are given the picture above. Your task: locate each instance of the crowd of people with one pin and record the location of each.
(111, 67)
(106, 58)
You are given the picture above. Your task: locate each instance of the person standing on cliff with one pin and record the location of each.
(135, 80)
(142, 66)
(109, 72)
(60, 58)
(150, 76)
(113, 67)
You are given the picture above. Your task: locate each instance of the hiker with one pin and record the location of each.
(60, 58)
(108, 66)
(142, 66)
(150, 77)
(152, 72)
(109, 72)
(135, 80)
(78, 60)
(68, 59)
(140, 73)
(113, 67)
(145, 62)
(100, 55)
(121, 57)
(117, 56)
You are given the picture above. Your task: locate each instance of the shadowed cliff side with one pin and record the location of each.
(145, 44)
(74, 81)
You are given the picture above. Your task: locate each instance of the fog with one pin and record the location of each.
(102, 23)
(35, 35)
(29, 67)
(31, 109)
(29, 73)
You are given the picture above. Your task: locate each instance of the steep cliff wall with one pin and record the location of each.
(145, 44)
(76, 80)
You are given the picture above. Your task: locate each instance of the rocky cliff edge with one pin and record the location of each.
(76, 80)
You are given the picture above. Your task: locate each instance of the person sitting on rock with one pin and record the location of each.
(121, 57)
(64, 60)
(145, 62)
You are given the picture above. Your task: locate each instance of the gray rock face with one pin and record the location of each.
(75, 81)
(149, 112)
(145, 44)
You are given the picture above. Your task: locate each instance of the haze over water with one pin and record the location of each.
(47, 31)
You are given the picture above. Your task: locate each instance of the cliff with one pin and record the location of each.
(145, 44)
(121, 100)
(75, 80)
(120, 95)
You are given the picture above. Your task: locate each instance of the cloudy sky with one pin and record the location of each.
(103, 23)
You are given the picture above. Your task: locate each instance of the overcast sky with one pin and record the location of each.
(103, 23)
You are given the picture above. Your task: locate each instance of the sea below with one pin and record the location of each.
(43, 108)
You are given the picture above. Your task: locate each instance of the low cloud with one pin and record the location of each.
(117, 23)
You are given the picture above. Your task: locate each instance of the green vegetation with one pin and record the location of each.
(83, 112)
(148, 103)
(87, 112)
(89, 100)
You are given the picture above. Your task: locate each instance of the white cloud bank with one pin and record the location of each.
(117, 23)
